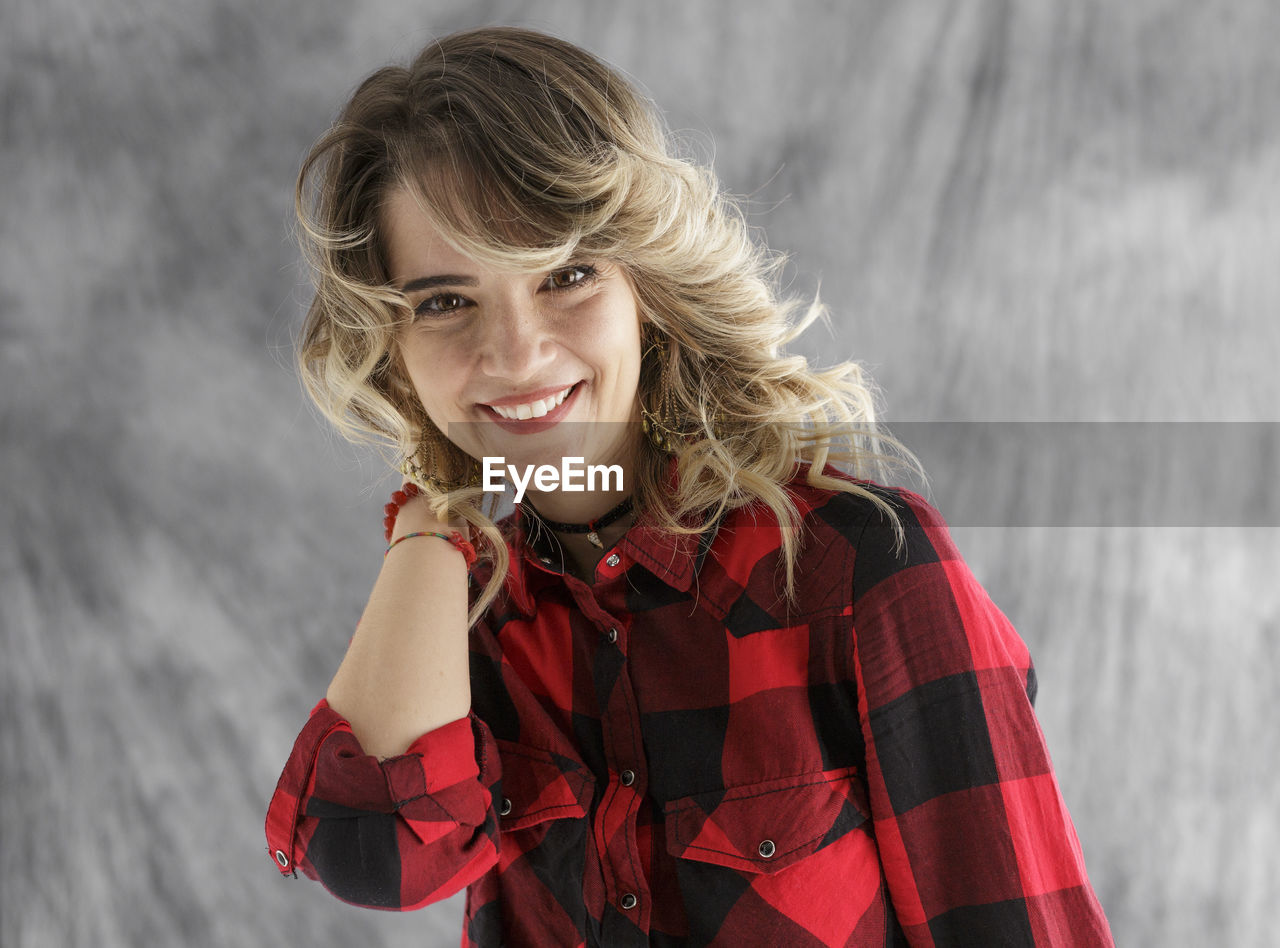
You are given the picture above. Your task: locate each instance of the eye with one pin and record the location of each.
(567, 278)
(440, 303)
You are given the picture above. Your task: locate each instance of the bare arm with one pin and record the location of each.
(406, 671)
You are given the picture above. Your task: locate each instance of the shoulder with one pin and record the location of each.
(867, 515)
(847, 540)
(916, 601)
(890, 533)
(871, 515)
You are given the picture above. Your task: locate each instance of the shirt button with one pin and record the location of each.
(628, 777)
(628, 901)
(612, 636)
(613, 560)
(767, 849)
(505, 808)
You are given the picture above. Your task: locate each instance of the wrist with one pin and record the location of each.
(409, 516)
(408, 512)
(454, 538)
(415, 517)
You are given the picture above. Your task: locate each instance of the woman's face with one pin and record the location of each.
(532, 367)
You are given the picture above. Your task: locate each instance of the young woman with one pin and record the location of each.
(740, 697)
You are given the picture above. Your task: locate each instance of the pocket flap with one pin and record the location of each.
(764, 827)
(538, 785)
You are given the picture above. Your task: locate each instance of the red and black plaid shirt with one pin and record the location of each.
(670, 757)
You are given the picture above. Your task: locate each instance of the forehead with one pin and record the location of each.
(412, 243)
(416, 233)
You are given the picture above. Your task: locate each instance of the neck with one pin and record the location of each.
(574, 507)
(582, 506)
(608, 535)
(579, 542)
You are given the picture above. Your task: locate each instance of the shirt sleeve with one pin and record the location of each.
(398, 833)
(975, 839)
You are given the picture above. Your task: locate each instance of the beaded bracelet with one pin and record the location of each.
(401, 497)
(398, 499)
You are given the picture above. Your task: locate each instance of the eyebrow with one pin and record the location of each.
(444, 279)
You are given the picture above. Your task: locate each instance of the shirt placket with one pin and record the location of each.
(627, 917)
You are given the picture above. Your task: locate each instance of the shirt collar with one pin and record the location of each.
(674, 558)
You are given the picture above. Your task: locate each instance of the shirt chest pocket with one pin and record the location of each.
(539, 786)
(768, 826)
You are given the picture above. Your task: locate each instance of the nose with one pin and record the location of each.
(517, 343)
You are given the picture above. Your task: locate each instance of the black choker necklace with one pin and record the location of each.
(592, 527)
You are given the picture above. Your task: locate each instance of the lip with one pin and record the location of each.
(533, 425)
(511, 401)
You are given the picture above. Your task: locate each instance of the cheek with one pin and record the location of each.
(615, 329)
(434, 375)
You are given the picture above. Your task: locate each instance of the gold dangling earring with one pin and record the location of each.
(424, 465)
(664, 427)
(660, 426)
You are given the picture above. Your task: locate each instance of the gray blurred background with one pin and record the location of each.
(1036, 212)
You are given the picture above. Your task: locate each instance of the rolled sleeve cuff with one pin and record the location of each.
(328, 774)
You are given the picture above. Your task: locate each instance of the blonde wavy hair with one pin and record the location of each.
(526, 152)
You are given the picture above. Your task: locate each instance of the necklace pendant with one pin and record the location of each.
(594, 539)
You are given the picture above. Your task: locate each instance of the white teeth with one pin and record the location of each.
(533, 409)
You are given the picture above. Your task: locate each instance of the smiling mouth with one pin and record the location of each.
(534, 409)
